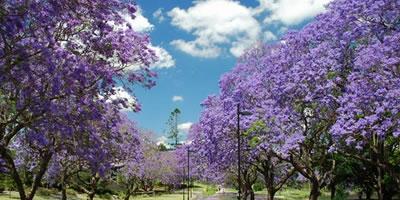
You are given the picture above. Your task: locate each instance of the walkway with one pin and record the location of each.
(229, 196)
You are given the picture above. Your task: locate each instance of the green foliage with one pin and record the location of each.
(341, 193)
(253, 131)
(254, 141)
(210, 190)
(173, 132)
(359, 116)
(331, 75)
(258, 186)
(2, 187)
(6, 183)
(162, 147)
(103, 189)
(106, 196)
(44, 192)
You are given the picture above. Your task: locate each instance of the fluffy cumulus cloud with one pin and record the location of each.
(184, 127)
(162, 140)
(165, 60)
(141, 24)
(159, 15)
(290, 12)
(220, 24)
(177, 98)
(122, 94)
(269, 36)
(215, 24)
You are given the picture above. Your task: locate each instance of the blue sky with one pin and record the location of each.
(198, 41)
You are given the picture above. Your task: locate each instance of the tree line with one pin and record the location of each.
(324, 104)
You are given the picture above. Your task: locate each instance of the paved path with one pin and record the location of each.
(222, 196)
(229, 196)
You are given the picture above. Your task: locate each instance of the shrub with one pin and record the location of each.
(258, 186)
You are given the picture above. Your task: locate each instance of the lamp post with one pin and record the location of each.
(188, 172)
(188, 182)
(239, 144)
(183, 182)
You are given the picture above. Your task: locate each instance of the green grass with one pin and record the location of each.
(174, 196)
(45, 194)
(298, 194)
(201, 190)
(205, 189)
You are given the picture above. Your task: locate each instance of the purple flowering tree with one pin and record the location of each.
(368, 114)
(214, 146)
(152, 166)
(331, 86)
(62, 168)
(116, 149)
(91, 154)
(235, 89)
(274, 171)
(59, 63)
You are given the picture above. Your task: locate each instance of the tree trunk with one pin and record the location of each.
(315, 192)
(93, 186)
(333, 191)
(91, 196)
(271, 194)
(269, 179)
(388, 195)
(245, 194)
(63, 187)
(128, 191)
(252, 196)
(127, 196)
(5, 154)
(368, 195)
(380, 184)
(360, 194)
(63, 192)
(380, 188)
(38, 177)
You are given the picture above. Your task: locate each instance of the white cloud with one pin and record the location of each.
(177, 98)
(142, 24)
(184, 127)
(290, 12)
(162, 140)
(159, 15)
(165, 60)
(122, 94)
(269, 36)
(187, 142)
(194, 49)
(139, 23)
(215, 23)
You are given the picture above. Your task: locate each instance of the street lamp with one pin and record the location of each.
(188, 172)
(183, 182)
(238, 140)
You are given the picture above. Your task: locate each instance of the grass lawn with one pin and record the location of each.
(200, 190)
(44, 196)
(297, 194)
(174, 196)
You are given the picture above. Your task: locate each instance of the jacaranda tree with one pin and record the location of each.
(60, 62)
(330, 88)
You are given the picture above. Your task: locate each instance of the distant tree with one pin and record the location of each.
(173, 127)
(162, 147)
